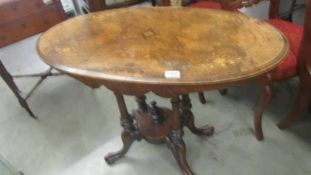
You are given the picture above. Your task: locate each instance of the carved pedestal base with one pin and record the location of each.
(159, 125)
(127, 139)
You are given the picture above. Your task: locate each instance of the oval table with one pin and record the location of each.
(169, 51)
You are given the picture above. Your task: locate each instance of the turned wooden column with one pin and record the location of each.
(175, 141)
(141, 101)
(129, 133)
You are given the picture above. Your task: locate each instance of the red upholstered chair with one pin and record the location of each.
(295, 64)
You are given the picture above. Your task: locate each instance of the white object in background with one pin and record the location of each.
(172, 74)
(76, 6)
(260, 11)
(68, 6)
(47, 1)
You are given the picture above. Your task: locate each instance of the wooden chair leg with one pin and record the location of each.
(153, 2)
(10, 82)
(223, 91)
(299, 107)
(263, 102)
(202, 97)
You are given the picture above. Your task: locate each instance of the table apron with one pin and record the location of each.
(166, 91)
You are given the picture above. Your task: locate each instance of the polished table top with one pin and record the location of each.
(137, 45)
(129, 50)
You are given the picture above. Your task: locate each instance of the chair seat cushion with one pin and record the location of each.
(294, 33)
(206, 4)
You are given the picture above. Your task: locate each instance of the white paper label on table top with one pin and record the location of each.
(172, 74)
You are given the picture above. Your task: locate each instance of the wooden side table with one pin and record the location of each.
(168, 51)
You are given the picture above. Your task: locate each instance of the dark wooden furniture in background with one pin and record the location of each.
(211, 49)
(303, 71)
(20, 19)
(98, 5)
(289, 68)
(8, 79)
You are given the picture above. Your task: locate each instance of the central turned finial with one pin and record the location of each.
(155, 112)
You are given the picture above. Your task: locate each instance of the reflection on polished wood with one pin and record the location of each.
(129, 50)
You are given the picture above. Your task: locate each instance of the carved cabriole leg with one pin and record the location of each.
(129, 134)
(263, 102)
(188, 118)
(175, 141)
(299, 107)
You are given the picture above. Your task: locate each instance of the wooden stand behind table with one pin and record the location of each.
(20, 19)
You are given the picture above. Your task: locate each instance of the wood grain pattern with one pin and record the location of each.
(208, 47)
(129, 50)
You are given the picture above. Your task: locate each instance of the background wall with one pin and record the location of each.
(261, 10)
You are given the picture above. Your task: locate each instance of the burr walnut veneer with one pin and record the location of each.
(129, 50)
